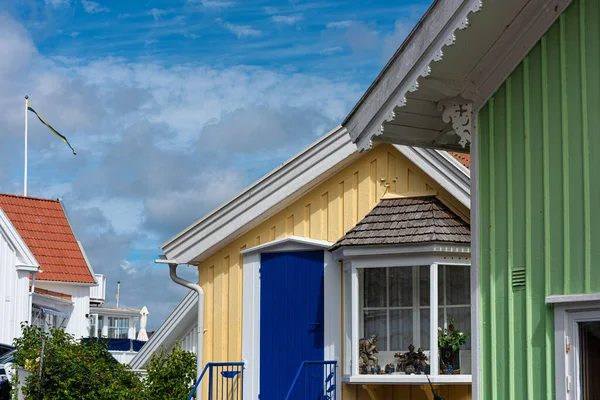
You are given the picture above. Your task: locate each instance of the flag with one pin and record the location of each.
(64, 139)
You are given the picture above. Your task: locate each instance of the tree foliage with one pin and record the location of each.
(85, 370)
(170, 375)
(72, 369)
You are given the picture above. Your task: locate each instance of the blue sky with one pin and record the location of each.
(173, 107)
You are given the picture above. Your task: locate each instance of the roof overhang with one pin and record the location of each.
(450, 65)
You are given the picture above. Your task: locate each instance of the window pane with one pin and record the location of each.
(458, 285)
(375, 287)
(589, 338)
(401, 329)
(424, 285)
(376, 324)
(424, 341)
(401, 286)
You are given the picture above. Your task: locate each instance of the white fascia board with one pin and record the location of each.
(402, 249)
(290, 243)
(450, 174)
(180, 321)
(8, 230)
(412, 61)
(278, 188)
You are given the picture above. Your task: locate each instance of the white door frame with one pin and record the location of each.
(251, 307)
(569, 310)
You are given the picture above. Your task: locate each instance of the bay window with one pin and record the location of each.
(399, 304)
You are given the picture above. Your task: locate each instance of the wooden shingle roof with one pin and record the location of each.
(408, 221)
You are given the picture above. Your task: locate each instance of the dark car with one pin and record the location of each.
(7, 358)
(5, 348)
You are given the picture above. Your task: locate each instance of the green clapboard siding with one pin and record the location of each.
(539, 160)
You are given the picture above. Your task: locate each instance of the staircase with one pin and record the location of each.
(225, 380)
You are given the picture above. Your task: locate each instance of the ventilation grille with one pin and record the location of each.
(519, 278)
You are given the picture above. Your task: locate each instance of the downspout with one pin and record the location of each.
(195, 287)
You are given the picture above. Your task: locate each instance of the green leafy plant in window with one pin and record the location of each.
(451, 338)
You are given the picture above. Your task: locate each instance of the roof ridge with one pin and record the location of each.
(18, 196)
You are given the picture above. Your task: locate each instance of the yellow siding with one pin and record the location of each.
(326, 213)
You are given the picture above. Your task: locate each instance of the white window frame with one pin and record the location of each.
(569, 311)
(119, 329)
(356, 258)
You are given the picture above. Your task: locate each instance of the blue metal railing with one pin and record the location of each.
(315, 380)
(225, 381)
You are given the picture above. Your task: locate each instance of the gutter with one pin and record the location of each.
(195, 287)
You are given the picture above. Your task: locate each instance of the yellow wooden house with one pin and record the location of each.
(332, 247)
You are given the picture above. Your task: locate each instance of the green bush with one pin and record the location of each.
(170, 375)
(72, 370)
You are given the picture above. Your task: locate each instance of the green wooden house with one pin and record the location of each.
(515, 83)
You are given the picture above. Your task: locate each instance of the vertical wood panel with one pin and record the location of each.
(307, 217)
(325, 216)
(538, 193)
(373, 186)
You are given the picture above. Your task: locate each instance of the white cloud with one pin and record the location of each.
(91, 7)
(287, 19)
(157, 13)
(74, 34)
(212, 3)
(331, 50)
(270, 10)
(392, 41)
(128, 267)
(339, 24)
(241, 31)
(57, 3)
(163, 146)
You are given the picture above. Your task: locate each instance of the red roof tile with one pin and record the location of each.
(44, 227)
(464, 159)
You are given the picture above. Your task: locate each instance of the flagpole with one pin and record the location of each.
(118, 290)
(25, 169)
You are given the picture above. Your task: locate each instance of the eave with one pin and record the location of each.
(460, 53)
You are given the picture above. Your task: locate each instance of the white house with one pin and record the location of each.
(45, 277)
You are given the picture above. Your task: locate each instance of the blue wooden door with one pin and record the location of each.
(291, 321)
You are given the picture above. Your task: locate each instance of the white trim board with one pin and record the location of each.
(251, 308)
(580, 299)
(450, 174)
(566, 317)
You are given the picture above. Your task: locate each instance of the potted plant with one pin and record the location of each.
(449, 341)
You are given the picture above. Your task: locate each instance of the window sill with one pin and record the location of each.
(407, 379)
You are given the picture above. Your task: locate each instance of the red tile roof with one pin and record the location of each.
(464, 159)
(44, 227)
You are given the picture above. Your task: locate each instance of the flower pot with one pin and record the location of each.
(449, 358)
